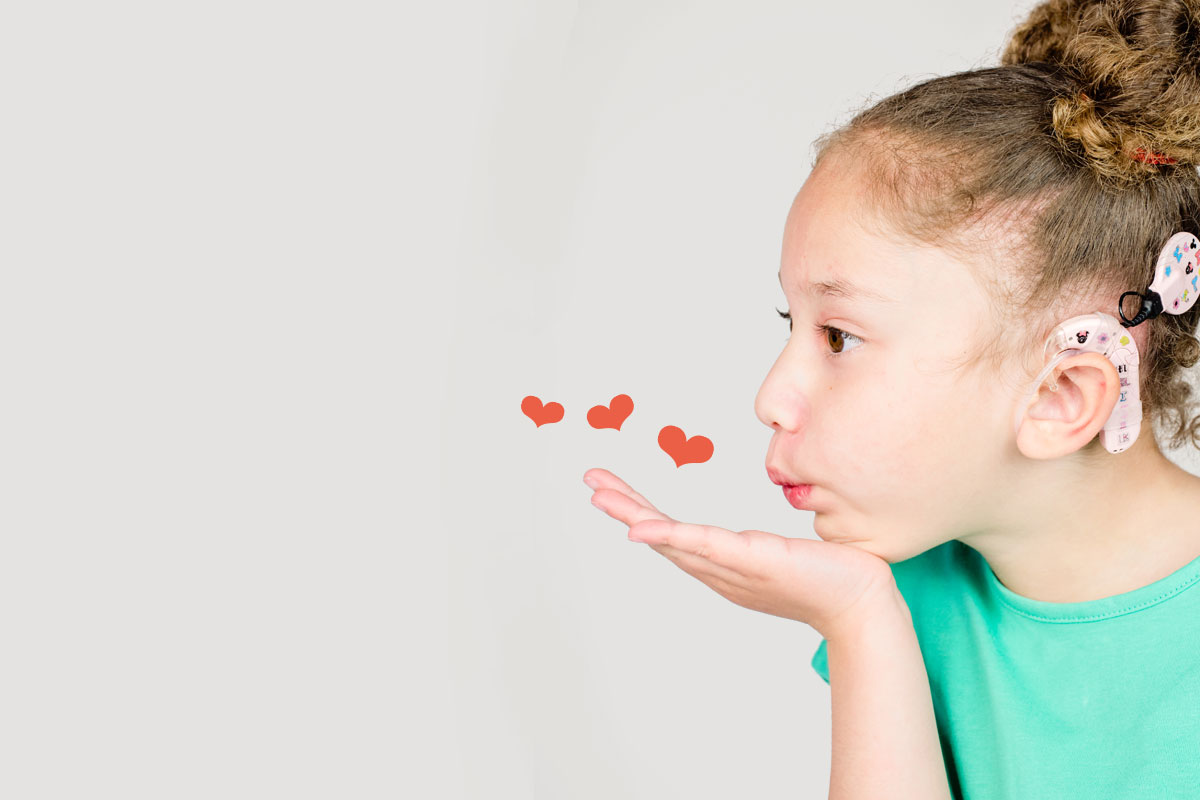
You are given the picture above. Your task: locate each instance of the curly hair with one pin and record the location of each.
(1057, 176)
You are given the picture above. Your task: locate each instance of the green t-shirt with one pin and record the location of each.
(1099, 699)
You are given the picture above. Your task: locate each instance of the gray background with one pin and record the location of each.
(276, 279)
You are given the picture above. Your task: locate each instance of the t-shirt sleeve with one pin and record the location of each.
(820, 661)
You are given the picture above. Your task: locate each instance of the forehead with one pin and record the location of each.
(834, 247)
(838, 249)
(842, 289)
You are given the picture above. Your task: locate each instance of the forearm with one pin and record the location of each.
(885, 741)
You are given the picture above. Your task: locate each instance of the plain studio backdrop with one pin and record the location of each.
(277, 277)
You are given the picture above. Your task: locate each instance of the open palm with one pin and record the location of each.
(824, 584)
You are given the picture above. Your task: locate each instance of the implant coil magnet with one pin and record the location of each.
(1173, 290)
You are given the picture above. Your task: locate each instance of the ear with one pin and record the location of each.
(1058, 423)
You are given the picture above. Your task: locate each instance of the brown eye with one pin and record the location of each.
(837, 335)
(835, 338)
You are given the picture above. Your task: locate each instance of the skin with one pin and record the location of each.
(836, 589)
(907, 449)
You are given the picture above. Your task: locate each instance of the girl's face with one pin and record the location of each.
(902, 447)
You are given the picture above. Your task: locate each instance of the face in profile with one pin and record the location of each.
(877, 410)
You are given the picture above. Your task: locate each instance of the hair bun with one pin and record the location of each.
(1136, 68)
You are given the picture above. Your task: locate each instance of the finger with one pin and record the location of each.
(629, 511)
(606, 480)
(699, 568)
(621, 506)
(707, 543)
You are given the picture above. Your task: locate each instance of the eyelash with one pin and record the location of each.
(820, 329)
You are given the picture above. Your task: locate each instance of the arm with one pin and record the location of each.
(885, 740)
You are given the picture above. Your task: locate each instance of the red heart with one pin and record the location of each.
(611, 415)
(533, 408)
(695, 450)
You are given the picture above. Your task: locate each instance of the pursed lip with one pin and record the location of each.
(779, 478)
(799, 496)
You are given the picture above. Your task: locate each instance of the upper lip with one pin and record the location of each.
(783, 480)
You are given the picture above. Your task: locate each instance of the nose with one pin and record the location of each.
(780, 403)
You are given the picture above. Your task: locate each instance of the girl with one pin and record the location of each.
(1007, 611)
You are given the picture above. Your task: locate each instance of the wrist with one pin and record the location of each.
(883, 610)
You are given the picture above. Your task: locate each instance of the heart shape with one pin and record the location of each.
(683, 450)
(611, 415)
(533, 408)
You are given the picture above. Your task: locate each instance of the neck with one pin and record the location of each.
(1085, 531)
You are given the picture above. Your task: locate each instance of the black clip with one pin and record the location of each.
(1151, 307)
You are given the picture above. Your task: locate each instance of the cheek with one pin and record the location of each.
(899, 437)
(900, 430)
(860, 434)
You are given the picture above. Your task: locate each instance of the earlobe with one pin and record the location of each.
(1060, 421)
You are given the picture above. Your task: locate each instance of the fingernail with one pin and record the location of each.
(590, 481)
(597, 505)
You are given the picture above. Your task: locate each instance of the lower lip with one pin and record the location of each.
(798, 495)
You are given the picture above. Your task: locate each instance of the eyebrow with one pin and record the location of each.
(844, 289)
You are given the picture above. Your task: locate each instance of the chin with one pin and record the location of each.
(825, 533)
(866, 545)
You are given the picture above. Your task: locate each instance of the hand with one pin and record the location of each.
(832, 587)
